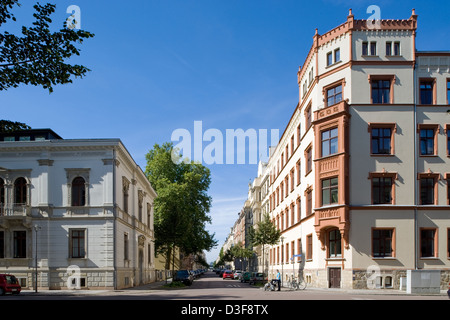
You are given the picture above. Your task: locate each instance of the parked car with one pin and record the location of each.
(245, 276)
(228, 274)
(9, 284)
(256, 277)
(184, 276)
(236, 274)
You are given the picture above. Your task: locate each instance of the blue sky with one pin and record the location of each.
(158, 66)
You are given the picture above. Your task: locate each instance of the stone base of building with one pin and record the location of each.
(371, 278)
(84, 279)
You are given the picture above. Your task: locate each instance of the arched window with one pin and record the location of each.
(334, 241)
(20, 191)
(78, 192)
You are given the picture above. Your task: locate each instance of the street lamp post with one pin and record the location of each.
(36, 229)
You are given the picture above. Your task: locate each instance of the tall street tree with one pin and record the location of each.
(38, 57)
(265, 233)
(182, 205)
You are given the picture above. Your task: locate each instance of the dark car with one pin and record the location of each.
(183, 276)
(9, 284)
(256, 277)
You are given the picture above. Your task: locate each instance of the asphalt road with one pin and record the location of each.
(211, 287)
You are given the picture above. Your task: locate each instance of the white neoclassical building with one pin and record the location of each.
(74, 213)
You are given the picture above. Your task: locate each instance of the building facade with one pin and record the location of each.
(74, 213)
(359, 181)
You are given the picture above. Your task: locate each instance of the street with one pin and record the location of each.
(211, 287)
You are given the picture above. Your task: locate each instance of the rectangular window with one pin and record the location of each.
(427, 191)
(381, 140)
(329, 191)
(309, 203)
(373, 48)
(2, 244)
(125, 246)
(365, 48)
(337, 55)
(427, 137)
(381, 91)
(427, 243)
(77, 244)
(20, 244)
(334, 95)
(448, 92)
(426, 88)
(308, 117)
(389, 48)
(396, 48)
(329, 142)
(381, 190)
(329, 58)
(334, 244)
(309, 247)
(308, 160)
(448, 140)
(382, 243)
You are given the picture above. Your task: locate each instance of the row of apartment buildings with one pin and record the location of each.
(360, 179)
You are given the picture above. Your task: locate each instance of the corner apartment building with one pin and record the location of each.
(359, 181)
(78, 213)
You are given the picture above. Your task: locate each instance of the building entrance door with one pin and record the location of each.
(334, 276)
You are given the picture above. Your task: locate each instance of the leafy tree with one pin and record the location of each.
(182, 204)
(264, 234)
(38, 57)
(240, 252)
(11, 126)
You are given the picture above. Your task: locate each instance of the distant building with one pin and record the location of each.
(84, 204)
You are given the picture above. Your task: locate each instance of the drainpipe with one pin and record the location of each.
(415, 168)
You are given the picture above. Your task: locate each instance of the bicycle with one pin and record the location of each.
(297, 285)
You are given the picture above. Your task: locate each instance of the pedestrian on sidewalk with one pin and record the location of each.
(279, 279)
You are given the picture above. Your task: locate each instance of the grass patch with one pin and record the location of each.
(174, 285)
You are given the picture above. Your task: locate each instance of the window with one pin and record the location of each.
(77, 243)
(382, 243)
(448, 243)
(308, 156)
(125, 188)
(125, 246)
(2, 244)
(427, 139)
(426, 91)
(20, 244)
(334, 244)
(448, 140)
(396, 48)
(381, 140)
(308, 117)
(309, 247)
(448, 92)
(381, 91)
(329, 58)
(381, 190)
(20, 191)
(2, 195)
(373, 48)
(308, 202)
(78, 192)
(337, 55)
(334, 95)
(329, 191)
(427, 186)
(389, 48)
(329, 142)
(365, 48)
(448, 188)
(428, 243)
